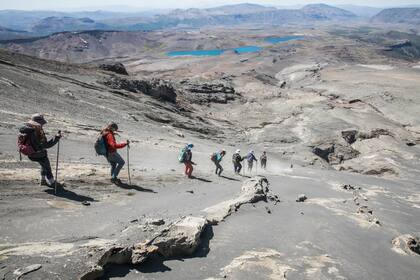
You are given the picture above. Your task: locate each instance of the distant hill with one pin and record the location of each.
(361, 11)
(11, 34)
(326, 12)
(44, 22)
(25, 20)
(239, 9)
(398, 15)
(60, 24)
(250, 14)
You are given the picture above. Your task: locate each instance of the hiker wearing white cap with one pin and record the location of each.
(236, 160)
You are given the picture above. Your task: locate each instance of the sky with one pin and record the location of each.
(66, 5)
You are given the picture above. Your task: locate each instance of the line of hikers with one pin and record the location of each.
(33, 143)
(185, 157)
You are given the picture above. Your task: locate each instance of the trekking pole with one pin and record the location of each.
(56, 164)
(128, 164)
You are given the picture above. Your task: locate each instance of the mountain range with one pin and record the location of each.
(398, 15)
(41, 23)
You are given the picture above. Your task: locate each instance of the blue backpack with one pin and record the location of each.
(182, 155)
(100, 146)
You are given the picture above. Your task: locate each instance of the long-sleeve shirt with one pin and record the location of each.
(111, 144)
(251, 157)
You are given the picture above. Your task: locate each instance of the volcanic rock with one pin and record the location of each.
(116, 68)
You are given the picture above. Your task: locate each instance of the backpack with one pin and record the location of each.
(100, 146)
(24, 145)
(182, 155)
(213, 157)
(250, 157)
(236, 158)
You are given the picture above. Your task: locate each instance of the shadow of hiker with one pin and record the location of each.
(134, 187)
(229, 178)
(67, 194)
(201, 179)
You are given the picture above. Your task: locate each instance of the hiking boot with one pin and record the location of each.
(115, 181)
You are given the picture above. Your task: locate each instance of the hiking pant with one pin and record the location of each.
(263, 163)
(237, 167)
(45, 167)
(219, 168)
(250, 164)
(117, 162)
(188, 168)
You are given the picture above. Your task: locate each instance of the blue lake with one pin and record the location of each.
(275, 40)
(247, 49)
(239, 50)
(196, 53)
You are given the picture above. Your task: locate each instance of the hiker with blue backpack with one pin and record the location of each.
(107, 146)
(216, 158)
(185, 157)
(250, 158)
(33, 143)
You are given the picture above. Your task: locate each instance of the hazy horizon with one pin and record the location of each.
(131, 5)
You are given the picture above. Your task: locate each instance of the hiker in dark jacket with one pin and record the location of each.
(263, 160)
(250, 159)
(113, 157)
(39, 143)
(217, 158)
(237, 159)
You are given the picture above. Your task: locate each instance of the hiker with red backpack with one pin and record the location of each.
(108, 146)
(33, 143)
(216, 158)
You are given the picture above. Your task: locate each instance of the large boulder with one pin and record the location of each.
(351, 136)
(181, 238)
(335, 153)
(406, 244)
(115, 67)
(201, 92)
(253, 190)
(156, 88)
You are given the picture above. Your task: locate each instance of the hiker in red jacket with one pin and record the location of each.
(113, 157)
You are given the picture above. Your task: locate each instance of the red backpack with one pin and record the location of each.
(24, 145)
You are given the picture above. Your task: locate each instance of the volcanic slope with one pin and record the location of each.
(301, 107)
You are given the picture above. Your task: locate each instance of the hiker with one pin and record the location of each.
(251, 158)
(263, 160)
(112, 155)
(217, 158)
(33, 143)
(237, 159)
(185, 157)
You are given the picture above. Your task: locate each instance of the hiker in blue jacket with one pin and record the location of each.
(250, 159)
(217, 158)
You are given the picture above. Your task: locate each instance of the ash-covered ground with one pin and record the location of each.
(338, 117)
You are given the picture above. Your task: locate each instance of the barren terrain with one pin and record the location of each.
(337, 115)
